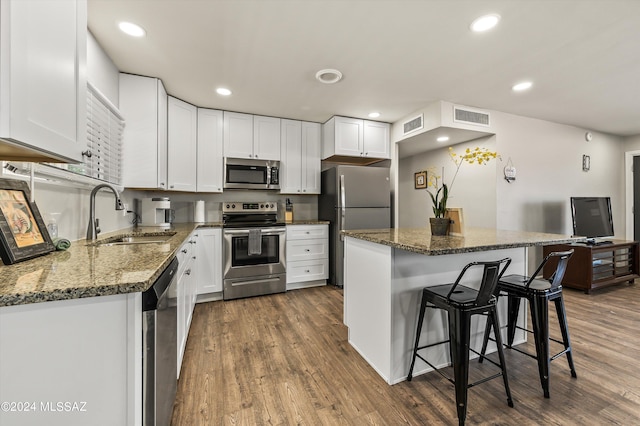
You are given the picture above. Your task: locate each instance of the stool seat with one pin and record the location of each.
(519, 282)
(461, 302)
(461, 297)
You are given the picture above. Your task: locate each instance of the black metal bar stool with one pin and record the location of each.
(538, 292)
(461, 302)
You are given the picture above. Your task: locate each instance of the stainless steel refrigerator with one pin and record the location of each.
(353, 197)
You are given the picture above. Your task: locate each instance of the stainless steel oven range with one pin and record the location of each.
(254, 249)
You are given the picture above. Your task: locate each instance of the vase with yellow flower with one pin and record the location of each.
(440, 191)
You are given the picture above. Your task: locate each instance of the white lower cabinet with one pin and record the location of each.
(209, 264)
(307, 255)
(187, 283)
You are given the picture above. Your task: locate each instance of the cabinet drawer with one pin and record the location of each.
(307, 250)
(307, 270)
(301, 232)
(184, 256)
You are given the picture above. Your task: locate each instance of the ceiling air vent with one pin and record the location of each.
(467, 116)
(412, 125)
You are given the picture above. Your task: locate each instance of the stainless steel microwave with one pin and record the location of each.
(240, 173)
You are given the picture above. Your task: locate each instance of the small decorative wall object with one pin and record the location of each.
(456, 225)
(509, 171)
(420, 180)
(22, 231)
(586, 163)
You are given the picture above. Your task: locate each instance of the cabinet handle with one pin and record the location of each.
(184, 251)
(171, 186)
(161, 183)
(307, 250)
(307, 271)
(304, 190)
(188, 272)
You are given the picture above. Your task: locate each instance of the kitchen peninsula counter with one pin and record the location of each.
(385, 271)
(88, 269)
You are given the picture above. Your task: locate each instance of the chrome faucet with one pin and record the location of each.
(94, 225)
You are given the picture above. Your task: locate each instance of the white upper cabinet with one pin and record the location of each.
(311, 140)
(209, 152)
(143, 103)
(238, 135)
(182, 144)
(376, 139)
(249, 136)
(352, 137)
(291, 157)
(300, 162)
(266, 138)
(43, 81)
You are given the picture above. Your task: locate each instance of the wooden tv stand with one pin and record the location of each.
(596, 266)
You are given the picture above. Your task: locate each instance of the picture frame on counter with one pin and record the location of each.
(23, 234)
(456, 224)
(420, 180)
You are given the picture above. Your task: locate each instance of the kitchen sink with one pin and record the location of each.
(150, 238)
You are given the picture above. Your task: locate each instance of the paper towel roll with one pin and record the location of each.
(198, 211)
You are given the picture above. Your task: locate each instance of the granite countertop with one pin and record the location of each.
(309, 222)
(88, 270)
(420, 240)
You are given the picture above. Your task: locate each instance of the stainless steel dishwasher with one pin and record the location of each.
(160, 346)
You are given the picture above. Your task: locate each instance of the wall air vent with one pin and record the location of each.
(468, 116)
(412, 125)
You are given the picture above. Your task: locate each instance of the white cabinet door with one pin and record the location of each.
(209, 260)
(348, 136)
(238, 135)
(182, 141)
(376, 139)
(43, 55)
(143, 103)
(311, 146)
(209, 157)
(266, 138)
(291, 157)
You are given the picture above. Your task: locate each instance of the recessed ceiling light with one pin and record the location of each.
(374, 114)
(525, 85)
(131, 29)
(442, 138)
(328, 76)
(485, 22)
(223, 91)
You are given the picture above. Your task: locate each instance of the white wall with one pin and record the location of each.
(474, 189)
(102, 72)
(548, 158)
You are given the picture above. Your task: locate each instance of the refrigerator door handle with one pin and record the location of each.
(342, 206)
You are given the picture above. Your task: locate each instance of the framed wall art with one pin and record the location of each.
(456, 226)
(23, 234)
(420, 180)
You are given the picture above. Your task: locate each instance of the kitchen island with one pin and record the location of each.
(385, 270)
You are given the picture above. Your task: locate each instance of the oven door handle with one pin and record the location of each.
(263, 232)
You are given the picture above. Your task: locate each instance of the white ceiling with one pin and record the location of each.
(396, 56)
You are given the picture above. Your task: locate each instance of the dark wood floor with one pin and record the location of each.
(284, 359)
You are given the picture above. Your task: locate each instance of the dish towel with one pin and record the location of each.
(255, 242)
(61, 243)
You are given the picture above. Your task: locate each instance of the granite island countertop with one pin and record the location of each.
(88, 270)
(420, 240)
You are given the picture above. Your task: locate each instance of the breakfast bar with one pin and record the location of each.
(385, 270)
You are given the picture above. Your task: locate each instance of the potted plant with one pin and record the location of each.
(440, 193)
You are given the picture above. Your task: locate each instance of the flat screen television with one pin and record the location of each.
(592, 217)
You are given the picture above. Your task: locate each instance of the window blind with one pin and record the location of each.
(105, 126)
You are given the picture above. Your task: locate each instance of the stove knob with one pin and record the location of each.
(227, 205)
(271, 205)
(262, 206)
(233, 206)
